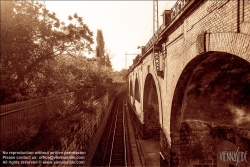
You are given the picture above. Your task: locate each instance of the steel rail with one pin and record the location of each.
(116, 144)
(113, 139)
(124, 133)
(105, 152)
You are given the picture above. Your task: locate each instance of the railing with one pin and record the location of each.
(154, 37)
(148, 45)
(175, 10)
(15, 113)
(11, 115)
(136, 59)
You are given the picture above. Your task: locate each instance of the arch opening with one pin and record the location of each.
(137, 90)
(151, 109)
(210, 109)
(130, 88)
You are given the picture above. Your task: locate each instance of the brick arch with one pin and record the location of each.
(202, 97)
(175, 117)
(234, 65)
(137, 90)
(151, 108)
(233, 43)
(158, 89)
(222, 80)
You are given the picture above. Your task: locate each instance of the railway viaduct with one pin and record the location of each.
(190, 86)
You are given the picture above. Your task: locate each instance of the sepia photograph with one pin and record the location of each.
(147, 83)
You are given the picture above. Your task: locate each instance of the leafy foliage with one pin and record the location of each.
(108, 56)
(123, 73)
(47, 124)
(102, 54)
(41, 56)
(100, 44)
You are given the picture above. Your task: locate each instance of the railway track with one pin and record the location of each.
(116, 153)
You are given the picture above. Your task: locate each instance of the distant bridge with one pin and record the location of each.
(193, 92)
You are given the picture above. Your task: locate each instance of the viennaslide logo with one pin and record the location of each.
(235, 156)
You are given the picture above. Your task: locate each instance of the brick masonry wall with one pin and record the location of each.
(165, 150)
(200, 143)
(138, 108)
(73, 133)
(81, 134)
(214, 17)
(227, 31)
(211, 16)
(152, 128)
(138, 125)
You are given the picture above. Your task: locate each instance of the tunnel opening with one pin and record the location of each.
(211, 111)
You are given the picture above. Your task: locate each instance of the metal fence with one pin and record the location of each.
(11, 115)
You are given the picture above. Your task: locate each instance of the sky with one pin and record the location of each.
(125, 24)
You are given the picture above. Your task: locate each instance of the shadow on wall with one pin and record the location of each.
(219, 91)
(211, 110)
(151, 109)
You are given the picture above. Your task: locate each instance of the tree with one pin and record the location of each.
(31, 37)
(108, 56)
(123, 73)
(108, 62)
(100, 44)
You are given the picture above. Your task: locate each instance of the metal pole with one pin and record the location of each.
(125, 60)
